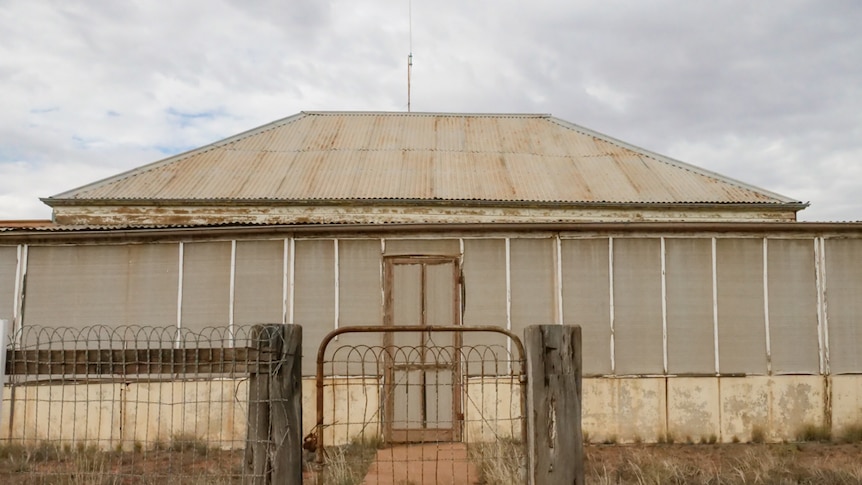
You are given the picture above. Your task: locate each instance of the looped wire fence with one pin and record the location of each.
(439, 411)
(128, 404)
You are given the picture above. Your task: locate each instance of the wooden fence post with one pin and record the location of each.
(286, 410)
(273, 452)
(555, 450)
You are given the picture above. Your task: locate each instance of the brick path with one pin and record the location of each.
(425, 464)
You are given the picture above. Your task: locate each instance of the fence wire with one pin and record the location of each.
(421, 414)
(127, 405)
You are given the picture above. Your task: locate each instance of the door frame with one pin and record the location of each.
(397, 435)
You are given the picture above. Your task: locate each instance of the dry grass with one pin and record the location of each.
(724, 464)
(347, 465)
(501, 462)
(185, 460)
(182, 461)
(703, 464)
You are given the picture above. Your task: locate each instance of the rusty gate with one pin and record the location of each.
(407, 385)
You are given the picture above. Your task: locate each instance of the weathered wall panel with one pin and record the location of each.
(693, 414)
(778, 406)
(485, 289)
(360, 288)
(66, 285)
(792, 306)
(624, 410)
(206, 284)
(102, 285)
(846, 403)
(8, 270)
(259, 282)
(690, 322)
(64, 415)
(844, 297)
(638, 341)
(360, 282)
(532, 274)
(586, 299)
(314, 297)
(741, 327)
(153, 280)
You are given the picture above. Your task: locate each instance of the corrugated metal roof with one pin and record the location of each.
(424, 157)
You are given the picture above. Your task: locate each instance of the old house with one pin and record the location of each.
(706, 308)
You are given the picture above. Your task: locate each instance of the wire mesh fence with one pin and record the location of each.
(423, 408)
(134, 405)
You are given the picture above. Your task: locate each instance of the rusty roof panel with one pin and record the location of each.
(423, 156)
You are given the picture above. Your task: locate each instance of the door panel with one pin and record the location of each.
(422, 384)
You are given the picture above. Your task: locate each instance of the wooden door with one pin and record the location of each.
(422, 385)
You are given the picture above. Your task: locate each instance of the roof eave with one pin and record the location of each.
(380, 202)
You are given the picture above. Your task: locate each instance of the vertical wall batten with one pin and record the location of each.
(827, 364)
(18, 298)
(336, 278)
(180, 287)
(766, 306)
(558, 279)
(285, 267)
(509, 293)
(382, 278)
(232, 292)
(292, 278)
(16, 290)
(818, 284)
(818, 281)
(508, 286)
(715, 304)
(611, 298)
(664, 302)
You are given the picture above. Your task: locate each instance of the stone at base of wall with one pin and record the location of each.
(615, 410)
(717, 409)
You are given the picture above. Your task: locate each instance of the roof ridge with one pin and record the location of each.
(426, 113)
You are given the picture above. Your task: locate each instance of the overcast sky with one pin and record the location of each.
(768, 92)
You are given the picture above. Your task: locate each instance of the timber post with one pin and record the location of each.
(555, 450)
(273, 452)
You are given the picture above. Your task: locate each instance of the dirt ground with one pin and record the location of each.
(789, 463)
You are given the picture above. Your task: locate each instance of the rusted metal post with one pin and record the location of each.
(555, 450)
(273, 452)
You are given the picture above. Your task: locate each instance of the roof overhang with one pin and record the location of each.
(385, 211)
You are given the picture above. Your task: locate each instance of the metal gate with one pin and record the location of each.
(420, 384)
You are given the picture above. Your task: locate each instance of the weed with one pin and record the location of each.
(185, 442)
(758, 434)
(813, 432)
(709, 440)
(851, 434)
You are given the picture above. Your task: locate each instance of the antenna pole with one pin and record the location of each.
(409, 68)
(410, 54)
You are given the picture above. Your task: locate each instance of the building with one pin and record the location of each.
(706, 309)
